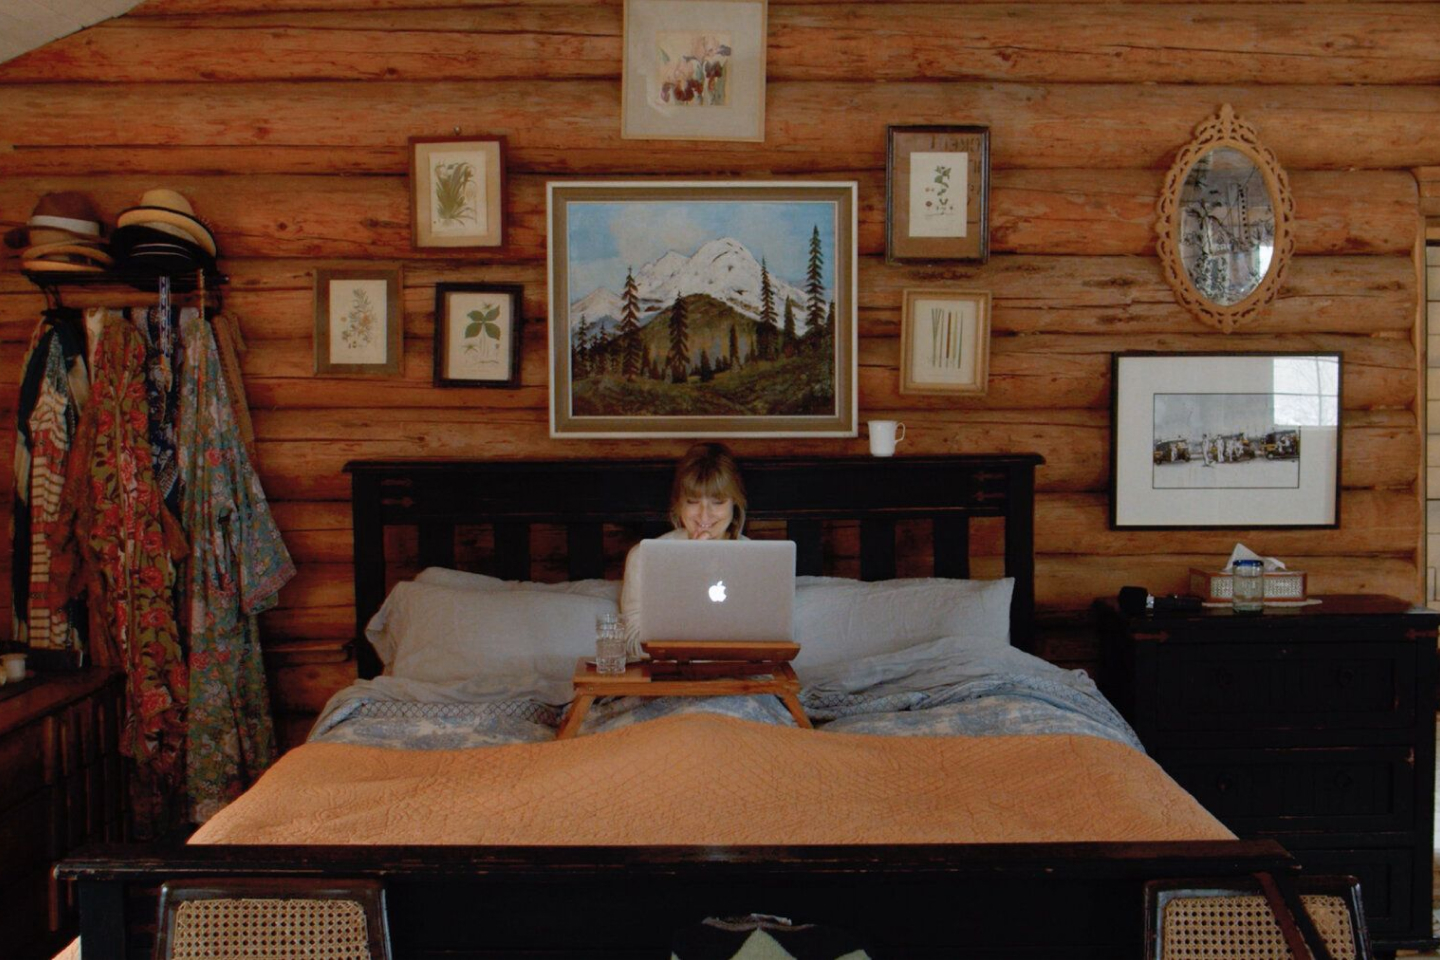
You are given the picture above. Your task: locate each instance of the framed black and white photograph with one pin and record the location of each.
(1225, 440)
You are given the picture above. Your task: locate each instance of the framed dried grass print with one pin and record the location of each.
(477, 334)
(694, 70)
(457, 192)
(357, 322)
(696, 309)
(945, 341)
(937, 194)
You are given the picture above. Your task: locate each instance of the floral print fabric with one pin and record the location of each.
(121, 546)
(238, 563)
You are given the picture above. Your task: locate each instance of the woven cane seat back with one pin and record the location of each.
(1244, 928)
(271, 920)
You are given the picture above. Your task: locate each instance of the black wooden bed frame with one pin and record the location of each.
(975, 900)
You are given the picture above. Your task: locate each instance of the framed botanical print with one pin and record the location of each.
(358, 322)
(457, 192)
(944, 341)
(937, 194)
(696, 309)
(477, 334)
(1225, 440)
(694, 70)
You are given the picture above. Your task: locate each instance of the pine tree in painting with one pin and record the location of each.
(734, 356)
(679, 342)
(706, 373)
(767, 310)
(630, 327)
(814, 285)
(582, 349)
(787, 333)
(830, 319)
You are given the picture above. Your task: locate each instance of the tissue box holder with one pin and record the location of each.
(1279, 585)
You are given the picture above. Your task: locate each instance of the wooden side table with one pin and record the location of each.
(636, 681)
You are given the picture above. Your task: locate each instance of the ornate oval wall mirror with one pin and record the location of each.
(1224, 230)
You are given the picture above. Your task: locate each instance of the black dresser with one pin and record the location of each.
(1311, 725)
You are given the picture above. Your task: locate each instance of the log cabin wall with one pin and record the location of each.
(285, 123)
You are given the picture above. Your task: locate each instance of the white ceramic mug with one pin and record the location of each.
(14, 666)
(883, 437)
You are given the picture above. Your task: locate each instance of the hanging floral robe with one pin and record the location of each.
(238, 563)
(53, 387)
(121, 548)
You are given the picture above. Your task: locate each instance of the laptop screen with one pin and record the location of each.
(715, 589)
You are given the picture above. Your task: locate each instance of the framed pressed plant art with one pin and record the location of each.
(937, 194)
(357, 322)
(694, 70)
(945, 341)
(457, 192)
(477, 334)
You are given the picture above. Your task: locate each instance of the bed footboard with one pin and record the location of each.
(1080, 900)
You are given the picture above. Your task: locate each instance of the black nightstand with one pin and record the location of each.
(1313, 725)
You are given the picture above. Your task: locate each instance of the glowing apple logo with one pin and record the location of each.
(717, 592)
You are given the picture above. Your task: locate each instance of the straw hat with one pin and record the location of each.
(71, 250)
(59, 217)
(169, 212)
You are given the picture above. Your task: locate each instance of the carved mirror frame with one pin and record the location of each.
(1225, 129)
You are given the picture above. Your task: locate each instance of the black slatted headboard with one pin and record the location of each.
(585, 496)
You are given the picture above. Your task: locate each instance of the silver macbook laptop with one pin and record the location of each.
(717, 589)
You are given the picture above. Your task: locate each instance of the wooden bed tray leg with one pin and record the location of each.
(577, 712)
(792, 703)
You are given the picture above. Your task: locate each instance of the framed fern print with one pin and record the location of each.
(477, 334)
(457, 192)
(357, 322)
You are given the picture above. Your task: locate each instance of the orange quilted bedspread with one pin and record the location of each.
(706, 779)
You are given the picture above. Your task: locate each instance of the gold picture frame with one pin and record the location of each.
(945, 341)
(694, 70)
(457, 192)
(358, 322)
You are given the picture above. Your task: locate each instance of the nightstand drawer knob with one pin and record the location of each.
(1346, 676)
(1223, 677)
(1223, 783)
(1343, 780)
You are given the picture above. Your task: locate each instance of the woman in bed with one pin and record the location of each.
(707, 502)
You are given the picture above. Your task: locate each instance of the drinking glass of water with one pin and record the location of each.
(609, 644)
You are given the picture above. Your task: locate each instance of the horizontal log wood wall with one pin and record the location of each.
(285, 122)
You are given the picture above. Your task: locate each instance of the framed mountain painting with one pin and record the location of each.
(696, 309)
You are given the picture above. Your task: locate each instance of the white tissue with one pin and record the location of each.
(1242, 552)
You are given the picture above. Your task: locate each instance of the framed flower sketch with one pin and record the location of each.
(695, 309)
(457, 192)
(937, 194)
(477, 334)
(944, 341)
(1225, 440)
(358, 322)
(694, 70)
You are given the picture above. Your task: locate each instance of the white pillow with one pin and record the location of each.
(464, 580)
(441, 634)
(838, 621)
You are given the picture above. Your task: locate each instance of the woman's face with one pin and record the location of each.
(707, 518)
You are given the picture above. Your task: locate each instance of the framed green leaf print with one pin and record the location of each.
(477, 334)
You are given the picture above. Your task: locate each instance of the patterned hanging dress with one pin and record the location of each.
(121, 548)
(238, 563)
(54, 387)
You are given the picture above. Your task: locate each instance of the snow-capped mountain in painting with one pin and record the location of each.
(723, 269)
